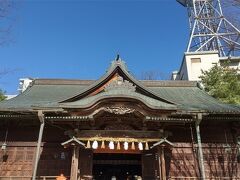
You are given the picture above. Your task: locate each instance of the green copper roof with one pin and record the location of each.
(185, 97)
(89, 101)
(193, 98)
(181, 95)
(40, 95)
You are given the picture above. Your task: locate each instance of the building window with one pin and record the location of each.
(196, 60)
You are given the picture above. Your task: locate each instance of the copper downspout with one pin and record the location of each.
(42, 121)
(200, 152)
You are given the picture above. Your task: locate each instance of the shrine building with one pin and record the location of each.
(118, 127)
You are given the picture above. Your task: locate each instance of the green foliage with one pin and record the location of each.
(2, 97)
(222, 83)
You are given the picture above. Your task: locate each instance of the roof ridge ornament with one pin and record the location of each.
(118, 58)
(117, 62)
(119, 85)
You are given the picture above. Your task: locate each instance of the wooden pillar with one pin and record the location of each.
(162, 168)
(74, 165)
(159, 164)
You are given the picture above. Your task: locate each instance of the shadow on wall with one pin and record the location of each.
(222, 161)
(219, 161)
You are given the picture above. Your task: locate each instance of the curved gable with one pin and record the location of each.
(117, 70)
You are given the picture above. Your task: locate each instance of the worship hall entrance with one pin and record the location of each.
(122, 166)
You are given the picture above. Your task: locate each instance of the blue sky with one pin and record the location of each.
(78, 39)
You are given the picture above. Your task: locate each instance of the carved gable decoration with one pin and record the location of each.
(119, 110)
(120, 85)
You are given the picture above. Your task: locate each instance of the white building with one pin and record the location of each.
(194, 63)
(24, 83)
(213, 39)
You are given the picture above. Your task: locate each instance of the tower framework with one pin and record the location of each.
(210, 30)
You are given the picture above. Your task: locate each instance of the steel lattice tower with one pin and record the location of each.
(210, 30)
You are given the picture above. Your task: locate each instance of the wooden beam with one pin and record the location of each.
(117, 151)
(74, 164)
(163, 164)
(119, 133)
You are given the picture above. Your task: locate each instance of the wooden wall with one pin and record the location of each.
(21, 148)
(181, 160)
(219, 150)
